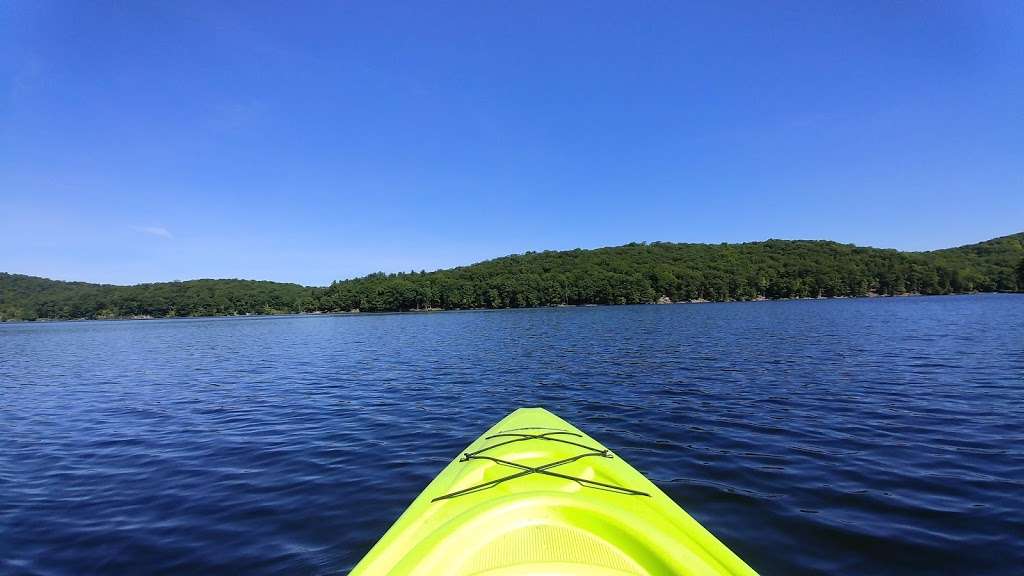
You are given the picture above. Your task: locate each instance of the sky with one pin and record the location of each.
(315, 141)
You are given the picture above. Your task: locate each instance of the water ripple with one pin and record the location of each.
(855, 436)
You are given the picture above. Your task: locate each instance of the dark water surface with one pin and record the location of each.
(881, 436)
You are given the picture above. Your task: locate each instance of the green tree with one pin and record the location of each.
(631, 274)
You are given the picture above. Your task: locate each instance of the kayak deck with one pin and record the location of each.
(535, 495)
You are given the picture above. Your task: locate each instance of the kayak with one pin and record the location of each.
(535, 495)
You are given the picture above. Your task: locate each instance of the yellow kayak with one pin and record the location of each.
(535, 495)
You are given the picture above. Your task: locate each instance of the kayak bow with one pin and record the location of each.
(535, 495)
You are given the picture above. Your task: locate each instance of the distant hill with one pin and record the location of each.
(639, 273)
(630, 274)
(29, 298)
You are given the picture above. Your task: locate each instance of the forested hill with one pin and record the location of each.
(29, 298)
(631, 274)
(639, 273)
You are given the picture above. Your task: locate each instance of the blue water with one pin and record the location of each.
(870, 436)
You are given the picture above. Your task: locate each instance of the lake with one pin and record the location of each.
(866, 436)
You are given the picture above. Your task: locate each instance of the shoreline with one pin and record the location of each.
(437, 310)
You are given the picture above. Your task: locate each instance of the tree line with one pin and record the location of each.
(642, 273)
(631, 274)
(31, 298)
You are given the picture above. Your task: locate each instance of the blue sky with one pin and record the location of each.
(309, 142)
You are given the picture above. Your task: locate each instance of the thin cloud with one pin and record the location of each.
(154, 231)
